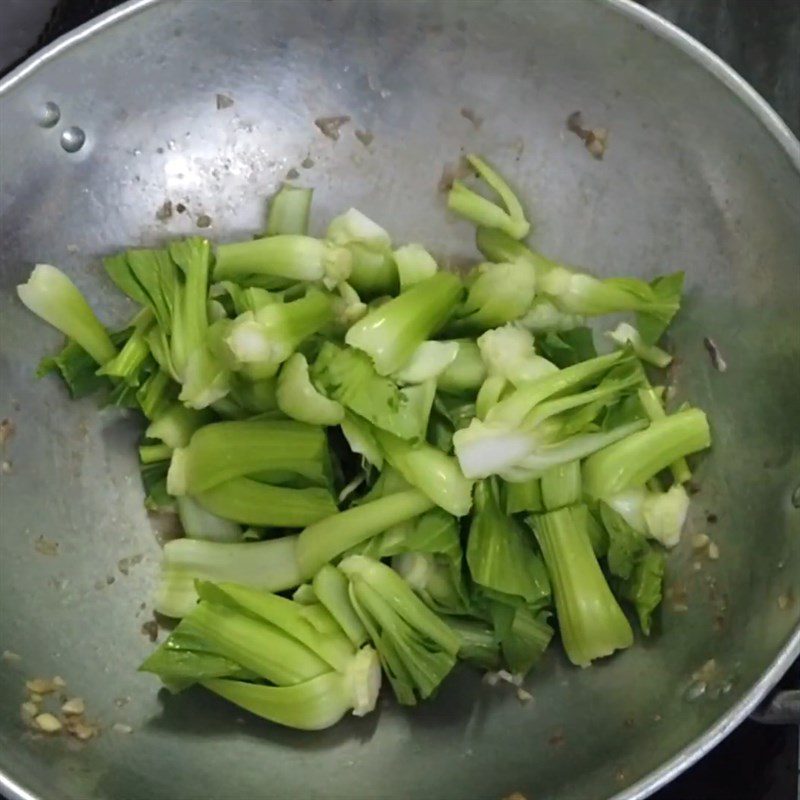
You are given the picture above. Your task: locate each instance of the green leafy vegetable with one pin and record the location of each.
(339, 419)
(637, 458)
(467, 371)
(298, 398)
(51, 295)
(391, 333)
(417, 649)
(289, 210)
(591, 622)
(293, 256)
(500, 551)
(430, 470)
(414, 264)
(348, 377)
(469, 204)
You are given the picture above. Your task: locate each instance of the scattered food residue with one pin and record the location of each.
(74, 707)
(678, 597)
(515, 796)
(6, 468)
(469, 114)
(558, 739)
(203, 221)
(164, 211)
(121, 727)
(493, 678)
(10, 658)
(717, 361)
(292, 174)
(786, 600)
(223, 101)
(706, 672)
(330, 126)
(70, 717)
(711, 518)
(42, 686)
(452, 173)
(119, 702)
(81, 728)
(700, 541)
(7, 429)
(307, 162)
(180, 208)
(708, 681)
(365, 137)
(150, 630)
(523, 695)
(124, 564)
(46, 547)
(620, 776)
(47, 723)
(594, 139)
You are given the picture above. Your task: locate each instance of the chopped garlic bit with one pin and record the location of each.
(79, 727)
(713, 551)
(41, 685)
(707, 671)
(699, 541)
(48, 723)
(29, 710)
(120, 727)
(11, 658)
(505, 675)
(524, 696)
(74, 706)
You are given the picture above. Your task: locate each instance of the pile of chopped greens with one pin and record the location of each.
(381, 467)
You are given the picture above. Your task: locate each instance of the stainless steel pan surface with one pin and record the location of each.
(210, 105)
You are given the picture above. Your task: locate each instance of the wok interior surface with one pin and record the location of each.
(692, 179)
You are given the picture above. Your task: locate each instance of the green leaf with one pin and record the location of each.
(626, 546)
(567, 347)
(348, 376)
(524, 634)
(500, 551)
(667, 289)
(644, 586)
(416, 647)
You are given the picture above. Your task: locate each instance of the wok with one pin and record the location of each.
(699, 174)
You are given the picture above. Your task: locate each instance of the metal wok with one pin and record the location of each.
(699, 174)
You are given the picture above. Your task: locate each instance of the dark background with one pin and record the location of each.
(760, 39)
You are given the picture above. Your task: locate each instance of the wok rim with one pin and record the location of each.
(772, 122)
